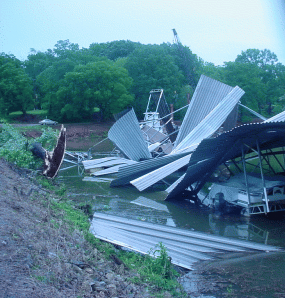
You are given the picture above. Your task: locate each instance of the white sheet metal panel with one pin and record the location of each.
(109, 163)
(208, 94)
(152, 135)
(154, 146)
(211, 122)
(131, 172)
(107, 171)
(151, 178)
(128, 137)
(95, 179)
(276, 118)
(174, 184)
(88, 164)
(183, 246)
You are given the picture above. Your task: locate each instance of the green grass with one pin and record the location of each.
(252, 166)
(14, 115)
(31, 112)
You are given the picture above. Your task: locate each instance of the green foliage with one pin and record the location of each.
(101, 84)
(16, 91)
(151, 67)
(58, 78)
(77, 219)
(113, 50)
(260, 58)
(15, 148)
(155, 268)
(260, 75)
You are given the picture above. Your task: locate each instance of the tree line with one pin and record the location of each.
(75, 84)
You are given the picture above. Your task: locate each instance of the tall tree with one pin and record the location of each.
(100, 84)
(151, 67)
(270, 72)
(16, 91)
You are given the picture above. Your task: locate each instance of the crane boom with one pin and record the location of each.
(185, 60)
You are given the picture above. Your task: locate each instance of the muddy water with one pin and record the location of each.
(261, 275)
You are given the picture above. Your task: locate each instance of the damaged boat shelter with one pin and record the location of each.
(207, 142)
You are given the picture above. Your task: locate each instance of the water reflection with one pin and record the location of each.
(150, 206)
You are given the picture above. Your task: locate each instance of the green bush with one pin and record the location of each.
(15, 148)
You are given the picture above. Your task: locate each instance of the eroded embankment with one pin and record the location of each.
(41, 255)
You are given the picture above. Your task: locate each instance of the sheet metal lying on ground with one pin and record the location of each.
(208, 94)
(131, 172)
(183, 246)
(212, 152)
(127, 136)
(212, 121)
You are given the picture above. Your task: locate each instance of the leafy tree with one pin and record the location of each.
(113, 50)
(49, 80)
(16, 91)
(37, 62)
(260, 58)
(211, 70)
(101, 84)
(270, 72)
(187, 62)
(151, 67)
(64, 48)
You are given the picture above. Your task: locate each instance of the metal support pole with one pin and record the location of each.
(161, 92)
(147, 104)
(262, 177)
(244, 171)
(277, 160)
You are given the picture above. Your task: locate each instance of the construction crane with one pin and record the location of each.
(186, 65)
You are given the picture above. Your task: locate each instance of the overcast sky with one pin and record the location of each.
(215, 30)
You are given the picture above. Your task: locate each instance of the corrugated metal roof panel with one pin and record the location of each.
(107, 163)
(88, 164)
(152, 135)
(174, 184)
(212, 121)
(131, 172)
(151, 178)
(206, 97)
(276, 118)
(128, 137)
(110, 170)
(95, 179)
(183, 246)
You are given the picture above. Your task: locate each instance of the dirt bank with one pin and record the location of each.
(41, 257)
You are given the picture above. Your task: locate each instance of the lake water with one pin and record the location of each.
(261, 276)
